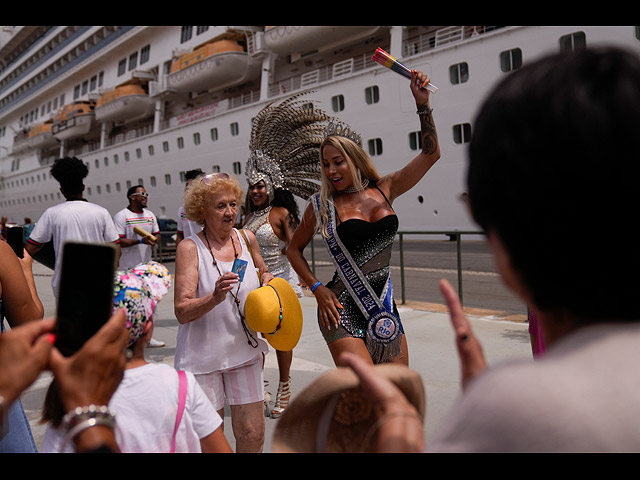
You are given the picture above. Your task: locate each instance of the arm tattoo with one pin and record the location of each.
(428, 131)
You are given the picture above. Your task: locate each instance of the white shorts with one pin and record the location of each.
(239, 385)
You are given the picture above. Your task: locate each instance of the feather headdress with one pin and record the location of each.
(284, 143)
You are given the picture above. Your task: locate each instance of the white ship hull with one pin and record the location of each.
(210, 130)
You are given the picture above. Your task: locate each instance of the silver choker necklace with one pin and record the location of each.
(365, 183)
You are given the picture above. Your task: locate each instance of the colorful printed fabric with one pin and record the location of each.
(138, 290)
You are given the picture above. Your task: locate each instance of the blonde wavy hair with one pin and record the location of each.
(198, 194)
(360, 166)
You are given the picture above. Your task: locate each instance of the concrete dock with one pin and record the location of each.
(429, 334)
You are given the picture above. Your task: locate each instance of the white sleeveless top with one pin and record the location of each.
(217, 340)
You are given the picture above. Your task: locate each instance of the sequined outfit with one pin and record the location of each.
(369, 244)
(271, 248)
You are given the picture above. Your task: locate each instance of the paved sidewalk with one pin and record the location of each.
(431, 352)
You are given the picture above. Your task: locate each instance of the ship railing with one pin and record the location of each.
(413, 46)
(454, 235)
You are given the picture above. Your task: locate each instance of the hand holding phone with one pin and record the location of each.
(85, 299)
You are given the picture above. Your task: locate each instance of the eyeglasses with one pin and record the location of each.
(212, 177)
(142, 194)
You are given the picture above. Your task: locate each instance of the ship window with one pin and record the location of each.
(153, 181)
(215, 168)
(128, 184)
(97, 163)
(116, 159)
(200, 30)
(415, 141)
(140, 182)
(106, 161)
(126, 156)
(186, 33)
(196, 138)
(93, 83)
(510, 60)
(98, 190)
(85, 87)
(375, 146)
(167, 178)
(372, 94)
(180, 142)
(144, 54)
(133, 60)
(122, 66)
(237, 168)
(462, 133)
(337, 103)
(459, 73)
(89, 190)
(214, 134)
(117, 186)
(235, 129)
(108, 187)
(165, 146)
(138, 153)
(573, 41)
(151, 150)
(76, 91)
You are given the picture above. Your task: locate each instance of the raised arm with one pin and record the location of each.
(399, 182)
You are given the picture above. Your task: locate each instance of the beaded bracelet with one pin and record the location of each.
(82, 418)
(315, 285)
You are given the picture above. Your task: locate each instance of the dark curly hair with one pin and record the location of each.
(553, 172)
(70, 173)
(281, 198)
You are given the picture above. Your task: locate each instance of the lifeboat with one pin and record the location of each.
(287, 40)
(39, 136)
(219, 64)
(125, 103)
(74, 120)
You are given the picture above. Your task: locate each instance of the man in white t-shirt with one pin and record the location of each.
(136, 249)
(76, 219)
(187, 227)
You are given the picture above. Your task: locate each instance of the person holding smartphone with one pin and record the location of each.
(214, 341)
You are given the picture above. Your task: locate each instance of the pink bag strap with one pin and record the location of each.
(182, 397)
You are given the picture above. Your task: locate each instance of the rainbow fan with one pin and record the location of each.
(386, 60)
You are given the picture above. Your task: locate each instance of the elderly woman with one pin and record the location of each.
(214, 341)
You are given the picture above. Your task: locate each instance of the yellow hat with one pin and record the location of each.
(275, 311)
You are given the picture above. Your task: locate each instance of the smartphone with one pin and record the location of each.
(15, 238)
(85, 295)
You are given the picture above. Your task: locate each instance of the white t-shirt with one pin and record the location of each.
(73, 220)
(186, 226)
(124, 221)
(581, 395)
(146, 405)
(217, 340)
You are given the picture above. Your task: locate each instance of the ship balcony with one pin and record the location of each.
(214, 66)
(126, 103)
(287, 40)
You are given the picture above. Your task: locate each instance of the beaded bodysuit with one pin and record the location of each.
(370, 245)
(271, 248)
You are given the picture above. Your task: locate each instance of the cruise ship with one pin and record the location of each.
(145, 104)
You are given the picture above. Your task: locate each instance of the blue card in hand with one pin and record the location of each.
(239, 267)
